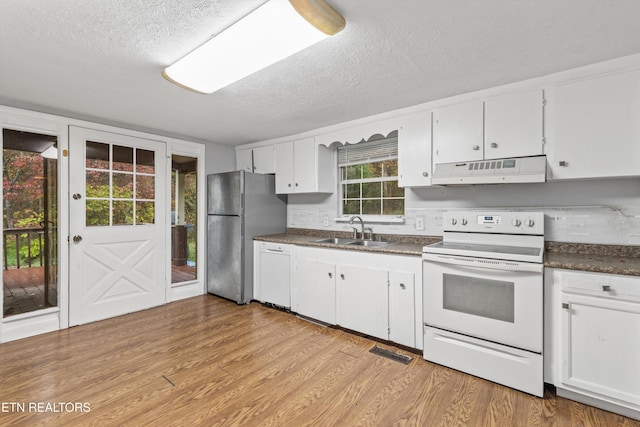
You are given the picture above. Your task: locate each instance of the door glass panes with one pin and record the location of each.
(493, 299)
(122, 158)
(119, 185)
(97, 155)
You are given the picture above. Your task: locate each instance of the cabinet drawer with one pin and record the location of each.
(602, 285)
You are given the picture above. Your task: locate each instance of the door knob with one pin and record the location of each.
(77, 196)
(77, 239)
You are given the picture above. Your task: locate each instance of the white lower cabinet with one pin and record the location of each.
(597, 341)
(314, 291)
(362, 300)
(402, 315)
(340, 287)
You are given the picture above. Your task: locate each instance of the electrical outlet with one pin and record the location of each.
(325, 221)
(420, 223)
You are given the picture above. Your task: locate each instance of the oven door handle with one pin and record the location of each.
(489, 264)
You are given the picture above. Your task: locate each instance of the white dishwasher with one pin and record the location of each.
(275, 274)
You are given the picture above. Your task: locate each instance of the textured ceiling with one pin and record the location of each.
(102, 60)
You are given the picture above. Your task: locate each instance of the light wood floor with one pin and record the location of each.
(206, 361)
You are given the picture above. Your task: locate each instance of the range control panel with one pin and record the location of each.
(494, 222)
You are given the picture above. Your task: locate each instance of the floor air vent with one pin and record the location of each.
(391, 355)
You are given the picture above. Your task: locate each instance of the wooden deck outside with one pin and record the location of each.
(205, 361)
(182, 273)
(23, 290)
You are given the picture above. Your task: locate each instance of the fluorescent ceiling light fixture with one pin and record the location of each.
(272, 32)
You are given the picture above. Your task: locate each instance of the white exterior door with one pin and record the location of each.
(117, 224)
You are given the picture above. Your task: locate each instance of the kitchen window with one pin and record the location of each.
(369, 178)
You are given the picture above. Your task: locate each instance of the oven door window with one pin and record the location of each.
(493, 299)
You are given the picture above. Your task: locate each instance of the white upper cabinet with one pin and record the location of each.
(257, 160)
(244, 160)
(458, 133)
(414, 150)
(514, 125)
(304, 167)
(509, 125)
(596, 128)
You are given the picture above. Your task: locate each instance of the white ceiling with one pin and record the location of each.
(101, 60)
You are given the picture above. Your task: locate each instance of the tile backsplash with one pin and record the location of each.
(602, 212)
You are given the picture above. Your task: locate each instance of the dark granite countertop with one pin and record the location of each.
(612, 259)
(402, 244)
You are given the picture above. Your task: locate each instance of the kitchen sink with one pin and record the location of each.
(368, 243)
(335, 241)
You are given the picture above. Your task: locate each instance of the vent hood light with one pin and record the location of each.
(272, 32)
(495, 171)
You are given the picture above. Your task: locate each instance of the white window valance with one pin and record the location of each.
(378, 148)
(362, 133)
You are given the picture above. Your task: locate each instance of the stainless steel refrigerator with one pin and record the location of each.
(240, 205)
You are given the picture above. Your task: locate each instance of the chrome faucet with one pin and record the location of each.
(361, 224)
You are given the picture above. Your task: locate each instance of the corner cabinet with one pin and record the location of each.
(597, 346)
(257, 160)
(303, 166)
(596, 130)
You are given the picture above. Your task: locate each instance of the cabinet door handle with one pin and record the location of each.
(606, 288)
(403, 286)
(565, 305)
(563, 163)
(342, 276)
(289, 184)
(330, 275)
(476, 147)
(296, 184)
(494, 145)
(425, 173)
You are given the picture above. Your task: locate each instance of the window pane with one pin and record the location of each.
(390, 168)
(97, 184)
(352, 191)
(145, 161)
(371, 190)
(391, 189)
(351, 207)
(145, 187)
(371, 207)
(122, 158)
(97, 212)
(122, 185)
(353, 172)
(97, 155)
(393, 207)
(145, 213)
(372, 170)
(123, 212)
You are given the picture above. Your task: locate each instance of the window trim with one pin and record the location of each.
(371, 218)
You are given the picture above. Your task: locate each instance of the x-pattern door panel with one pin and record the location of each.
(117, 242)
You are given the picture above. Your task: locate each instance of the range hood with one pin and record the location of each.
(494, 171)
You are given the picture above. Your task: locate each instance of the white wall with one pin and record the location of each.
(219, 158)
(599, 211)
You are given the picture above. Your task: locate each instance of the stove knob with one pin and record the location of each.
(530, 222)
(516, 222)
(464, 221)
(454, 221)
